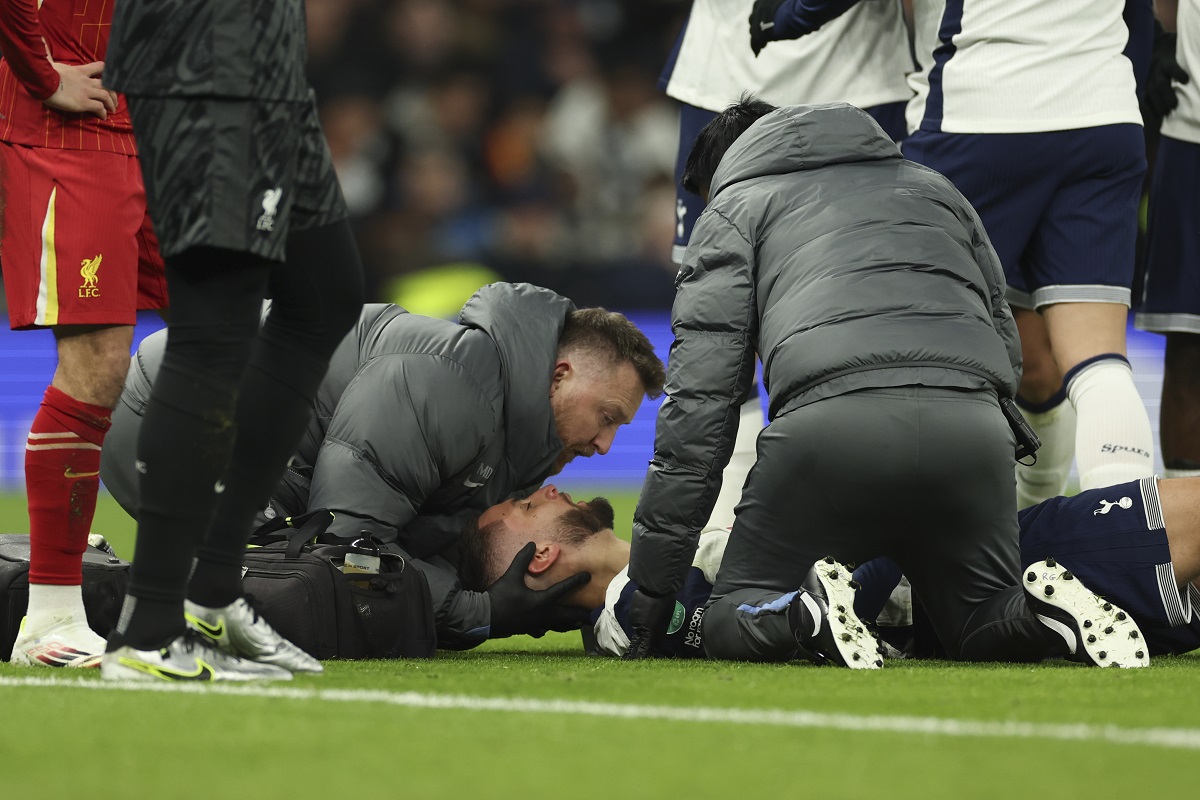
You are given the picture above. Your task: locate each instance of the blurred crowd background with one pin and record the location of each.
(484, 140)
(519, 140)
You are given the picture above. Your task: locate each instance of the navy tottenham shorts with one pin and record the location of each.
(1113, 539)
(1171, 294)
(1060, 207)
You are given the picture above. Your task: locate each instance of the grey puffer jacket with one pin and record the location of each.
(844, 267)
(419, 425)
(422, 423)
(421, 416)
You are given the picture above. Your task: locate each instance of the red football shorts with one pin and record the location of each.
(76, 247)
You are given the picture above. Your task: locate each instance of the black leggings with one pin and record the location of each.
(935, 468)
(232, 399)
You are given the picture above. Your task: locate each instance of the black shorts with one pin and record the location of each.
(234, 173)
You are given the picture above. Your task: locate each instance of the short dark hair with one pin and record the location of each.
(613, 336)
(473, 554)
(574, 528)
(716, 137)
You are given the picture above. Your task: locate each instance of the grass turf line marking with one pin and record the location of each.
(1175, 738)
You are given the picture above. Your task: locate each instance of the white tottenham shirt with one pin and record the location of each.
(1183, 123)
(861, 58)
(1021, 66)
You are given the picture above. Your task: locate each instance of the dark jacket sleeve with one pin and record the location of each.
(796, 18)
(709, 375)
(993, 275)
(461, 618)
(404, 424)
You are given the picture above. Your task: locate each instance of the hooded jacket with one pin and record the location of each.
(843, 267)
(421, 424)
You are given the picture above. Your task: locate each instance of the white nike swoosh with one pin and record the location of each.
(1062, 630)
(814, 611)
(766, 26)
(471, 483)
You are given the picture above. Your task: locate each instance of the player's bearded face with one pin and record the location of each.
(595, 515)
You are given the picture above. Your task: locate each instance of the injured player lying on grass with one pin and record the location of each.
(1137, 545)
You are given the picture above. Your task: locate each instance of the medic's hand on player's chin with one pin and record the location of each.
(762, 23)
(1160, 98)
(518, 609)
(649, 617)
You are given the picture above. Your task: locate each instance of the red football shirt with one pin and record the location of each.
(76, 32)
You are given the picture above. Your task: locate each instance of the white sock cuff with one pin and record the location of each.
(1101, 368)
(1031, 409)
(1170, 472)
(50, 603)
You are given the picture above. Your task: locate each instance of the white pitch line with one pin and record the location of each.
(1176, 738)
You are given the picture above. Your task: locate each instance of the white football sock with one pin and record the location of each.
(1113, 442)
(1054, 422)
(1170, 472)
(50, 604)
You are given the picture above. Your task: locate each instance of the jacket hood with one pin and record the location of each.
(795, 138)
(525, 322)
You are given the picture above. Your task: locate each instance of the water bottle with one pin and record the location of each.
(362, 557)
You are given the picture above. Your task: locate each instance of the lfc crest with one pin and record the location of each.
(87, 270)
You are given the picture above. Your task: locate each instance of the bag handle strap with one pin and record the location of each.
(302, 527)
(305, 529)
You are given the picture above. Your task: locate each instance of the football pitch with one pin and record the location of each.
(536, 718)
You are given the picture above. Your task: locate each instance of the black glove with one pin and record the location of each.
(518, 609)
(1160, 98)
(649, 617)
(762, 23)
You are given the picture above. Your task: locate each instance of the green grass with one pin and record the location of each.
(360, 730)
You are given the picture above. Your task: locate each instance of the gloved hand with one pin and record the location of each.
(762, 23)
(518, 609)
(1160, 98)
(649, 617)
